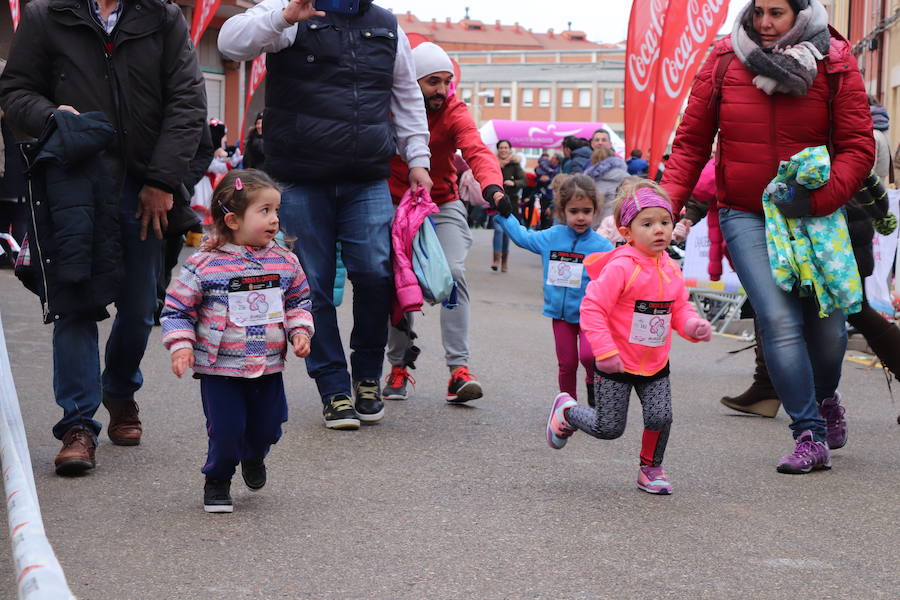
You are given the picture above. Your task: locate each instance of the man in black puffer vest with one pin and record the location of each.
(341, 101)
(132, 61)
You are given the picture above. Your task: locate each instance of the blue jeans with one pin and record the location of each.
(243, 419)
(358, 215)
(77, 382)
(803, 352)
(501, 240)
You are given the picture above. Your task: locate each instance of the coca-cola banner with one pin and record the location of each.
(257, 74)
(645, 29)
(204, 11)
(14, 11)
(690, 27)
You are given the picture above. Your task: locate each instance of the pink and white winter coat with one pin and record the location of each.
(411, 213)
(631, 306)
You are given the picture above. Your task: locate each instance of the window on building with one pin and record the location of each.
(622, 98)
(584, 98)
(544, 97)
(505, 97)
(467, 95)
(568, 98)
(609, 98)
(528, 97)
(489, 97)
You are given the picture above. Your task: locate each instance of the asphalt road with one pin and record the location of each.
(443, 501)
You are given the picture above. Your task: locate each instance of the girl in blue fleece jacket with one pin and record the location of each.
(563, 249)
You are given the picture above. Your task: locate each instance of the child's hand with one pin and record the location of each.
(301, 345)
(699, 329)
(182, 360)
(613, 364)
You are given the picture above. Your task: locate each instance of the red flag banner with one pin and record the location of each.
(14, 11)
(204, 11)
(645, 30)
(257, 74)
(690, 27)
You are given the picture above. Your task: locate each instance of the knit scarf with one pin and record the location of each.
(788, 66)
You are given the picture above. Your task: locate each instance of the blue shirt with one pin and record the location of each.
(559, 302)
(110, 23)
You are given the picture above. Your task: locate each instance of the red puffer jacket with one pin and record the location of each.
(757, 131)
(451, 129)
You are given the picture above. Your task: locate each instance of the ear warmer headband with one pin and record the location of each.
(638, 201)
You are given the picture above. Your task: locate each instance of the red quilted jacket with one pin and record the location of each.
(757, 131)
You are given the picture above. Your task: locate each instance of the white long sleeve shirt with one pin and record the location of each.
(264, 29)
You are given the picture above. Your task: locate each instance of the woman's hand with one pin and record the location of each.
(182, 360)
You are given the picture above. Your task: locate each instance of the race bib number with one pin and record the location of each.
(650, 323)
(565, 269)
(255, 300)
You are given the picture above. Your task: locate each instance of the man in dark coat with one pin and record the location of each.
(341, 101)
(133, 61)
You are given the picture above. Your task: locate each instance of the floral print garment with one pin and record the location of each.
(813, 253)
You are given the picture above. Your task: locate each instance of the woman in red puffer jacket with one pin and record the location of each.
(783, 81)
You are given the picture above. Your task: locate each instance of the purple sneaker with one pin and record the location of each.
(809, 455)
(833, 413)
(653, 480)
(558, 430)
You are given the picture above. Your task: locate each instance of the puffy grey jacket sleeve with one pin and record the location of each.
(25, 83)
(184, 106)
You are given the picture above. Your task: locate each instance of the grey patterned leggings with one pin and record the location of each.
(607, 420)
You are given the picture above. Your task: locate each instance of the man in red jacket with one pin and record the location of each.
(451, 128)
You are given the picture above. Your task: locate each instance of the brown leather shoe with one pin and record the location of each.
(77, 454)
(124, 425)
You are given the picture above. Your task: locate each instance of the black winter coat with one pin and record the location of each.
(144, 77)
(73, 235)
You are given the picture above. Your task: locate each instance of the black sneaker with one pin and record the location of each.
(216, 496)
(368, 401)
(254, 473)
(339, 413)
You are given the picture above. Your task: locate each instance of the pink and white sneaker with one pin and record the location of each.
(558, 430)
(653, 480)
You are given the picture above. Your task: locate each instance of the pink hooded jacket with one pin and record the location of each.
(631, 306)
(411, 213)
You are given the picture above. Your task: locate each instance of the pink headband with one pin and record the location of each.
(638, 201)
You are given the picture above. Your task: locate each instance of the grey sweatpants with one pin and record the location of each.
(452, 230)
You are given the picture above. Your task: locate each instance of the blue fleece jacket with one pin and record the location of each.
(559, 302)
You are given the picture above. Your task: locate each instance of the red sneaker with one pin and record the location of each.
(395, 384)
(463, 386)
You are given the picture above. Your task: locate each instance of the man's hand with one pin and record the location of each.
(153, 203)
(419, 178)
(68, 108)
(182, 360)
(509, 183)
(301, 345)
(682, 230)
(300, 10)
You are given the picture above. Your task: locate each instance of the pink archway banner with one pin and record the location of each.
(543, 134)
(14, 11)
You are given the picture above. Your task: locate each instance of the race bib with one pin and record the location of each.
(650, 323)
(255, 300)
(565, 269)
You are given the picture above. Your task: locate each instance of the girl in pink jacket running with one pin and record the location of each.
(635, 299)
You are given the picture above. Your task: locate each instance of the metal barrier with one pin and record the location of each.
(38, 573)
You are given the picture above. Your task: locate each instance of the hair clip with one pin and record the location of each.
(223, 207)
(238, 184)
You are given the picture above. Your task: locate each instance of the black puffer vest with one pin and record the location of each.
(328, 99)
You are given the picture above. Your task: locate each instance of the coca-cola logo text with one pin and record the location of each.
(642, 59)
(701, 17)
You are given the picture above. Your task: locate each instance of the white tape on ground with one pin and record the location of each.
(38, 573)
